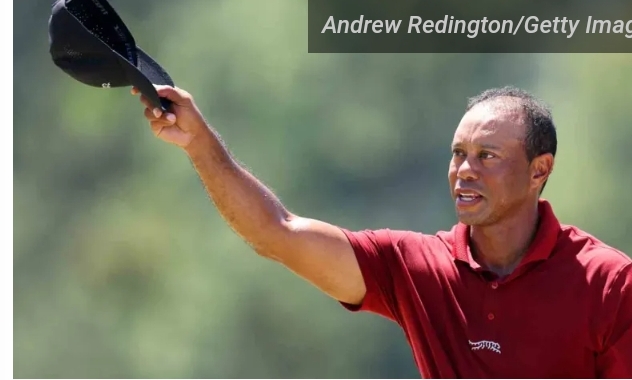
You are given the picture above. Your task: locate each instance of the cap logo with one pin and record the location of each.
(106, 85)
(128, 46)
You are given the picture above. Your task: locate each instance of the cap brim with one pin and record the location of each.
(147, 74)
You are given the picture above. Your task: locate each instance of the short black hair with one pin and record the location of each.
(541, 137)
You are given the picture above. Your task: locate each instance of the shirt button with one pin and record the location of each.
(490, 316)
(494, 285)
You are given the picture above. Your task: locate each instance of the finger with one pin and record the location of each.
(135, 91)
(169, 117)
(166, 118)
(143, 99)
(149, 114)
(156, 111)
(176, 95)
(157, 127)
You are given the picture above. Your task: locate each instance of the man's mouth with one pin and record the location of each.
(468, 197)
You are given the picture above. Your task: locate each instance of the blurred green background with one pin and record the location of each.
(122, 266)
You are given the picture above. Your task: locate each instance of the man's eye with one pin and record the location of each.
(458, 153)
(486, 155)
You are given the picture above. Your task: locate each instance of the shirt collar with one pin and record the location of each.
(540, 249)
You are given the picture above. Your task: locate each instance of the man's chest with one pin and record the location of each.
(546, 333)
(514, 329)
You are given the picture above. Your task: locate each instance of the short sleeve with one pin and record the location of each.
(379, 258)
(615, 362)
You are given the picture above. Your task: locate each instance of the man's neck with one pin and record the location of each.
(500, 247)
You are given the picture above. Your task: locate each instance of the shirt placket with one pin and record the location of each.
(491, 310)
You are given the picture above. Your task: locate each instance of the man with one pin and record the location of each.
(507, 292)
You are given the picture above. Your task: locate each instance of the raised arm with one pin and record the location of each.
(316, 251)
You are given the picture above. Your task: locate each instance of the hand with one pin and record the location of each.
(184, 121)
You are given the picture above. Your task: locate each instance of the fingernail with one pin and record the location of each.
(171, 117)
(157, 112)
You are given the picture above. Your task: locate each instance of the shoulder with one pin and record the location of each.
(607, 274)
(600, 262)
(406, 245)
(588, 249)
(405, 250)
(375, 241)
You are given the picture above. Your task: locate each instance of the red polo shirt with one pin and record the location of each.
(565, 312)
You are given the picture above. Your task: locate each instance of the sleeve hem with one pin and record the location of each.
(361, 257)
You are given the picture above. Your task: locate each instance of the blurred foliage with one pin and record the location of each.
(123, 268)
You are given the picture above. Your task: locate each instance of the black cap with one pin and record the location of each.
(90, 42)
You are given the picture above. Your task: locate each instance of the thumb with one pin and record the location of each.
(174, 94)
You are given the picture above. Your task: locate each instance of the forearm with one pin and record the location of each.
(247, 205)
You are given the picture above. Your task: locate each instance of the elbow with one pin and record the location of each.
(264, 253)
(293, 224)
(264, 250)
(276, 243)
(269, 253)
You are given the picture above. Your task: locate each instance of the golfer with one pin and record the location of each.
(508, 292)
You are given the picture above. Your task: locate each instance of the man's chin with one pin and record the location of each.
(470, 218)
(472, 215)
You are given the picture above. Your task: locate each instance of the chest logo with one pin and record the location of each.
(485, 345)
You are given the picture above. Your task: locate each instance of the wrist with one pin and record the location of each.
(200, 142)
(205, 144)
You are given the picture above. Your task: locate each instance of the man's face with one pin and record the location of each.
(489, 173)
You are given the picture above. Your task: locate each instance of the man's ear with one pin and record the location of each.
(541, 169)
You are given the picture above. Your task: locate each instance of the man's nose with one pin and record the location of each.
(467, 171)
